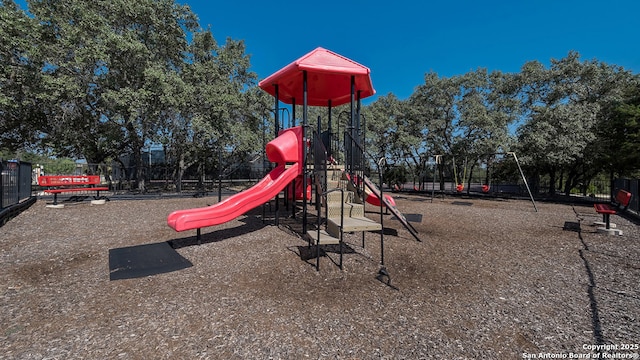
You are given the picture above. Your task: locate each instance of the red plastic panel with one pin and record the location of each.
(285, 148)
(623, 197)
(604, 209)
(235, 205)
(328, 78)
(373, 199)
(68, 180)
(60, 191)
(282, 150)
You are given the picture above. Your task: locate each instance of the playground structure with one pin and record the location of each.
(319, 78)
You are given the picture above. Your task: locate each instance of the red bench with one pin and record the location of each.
(621, 201)
(57, 184)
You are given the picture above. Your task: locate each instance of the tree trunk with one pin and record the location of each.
(179, 173)
(441, 176)
(552, 181)
(140, 173)
(535, 186)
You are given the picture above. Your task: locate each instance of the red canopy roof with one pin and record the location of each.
(328, 78)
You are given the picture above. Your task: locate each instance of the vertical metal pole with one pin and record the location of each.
(293, 112)
(264, 145)
(220, 175)
(293, 183)
(381, 163)
(360, 141)
(351, 125)
(304, 152)
(525, 181)
(1, 184)
(276, 112)
(358, 122)
(329, 130)
(275, 135)
(316, 162)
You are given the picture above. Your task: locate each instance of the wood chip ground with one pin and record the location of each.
(492, 279)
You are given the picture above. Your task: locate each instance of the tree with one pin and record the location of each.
(433, 104)
(217, 108)
(396, 135)
(564, 104)
(108, 65)
(619, 137)
(487, 108)
(20, 79)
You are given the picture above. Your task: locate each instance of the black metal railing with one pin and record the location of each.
(15, 189)
(320, 159)
(356, 164)
(15, 179)
(326, 216)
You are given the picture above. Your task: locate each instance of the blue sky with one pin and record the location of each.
(402, 40)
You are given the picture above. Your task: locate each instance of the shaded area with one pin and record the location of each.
(11, 211)
(308, 253)
(596, 324)
(387, 231)
(416, 218)
(251, 224)
(144, 260)
(462, 203)
(571, 226)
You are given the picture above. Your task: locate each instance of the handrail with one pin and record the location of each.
(326, 215)
(380, 164)
(367, 154)
(405, 223)
(380, 178)
(319, 159)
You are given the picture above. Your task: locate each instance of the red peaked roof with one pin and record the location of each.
(328, 78)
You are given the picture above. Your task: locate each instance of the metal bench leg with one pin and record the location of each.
(607, 221)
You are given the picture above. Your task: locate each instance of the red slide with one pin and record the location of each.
(283, 149)
(374, 200)
(235, 205)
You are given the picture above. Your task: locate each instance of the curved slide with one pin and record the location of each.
(283, 149)
(236, 205)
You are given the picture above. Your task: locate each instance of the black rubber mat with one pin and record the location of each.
(144, 260)
(414, 218)
(571, 226)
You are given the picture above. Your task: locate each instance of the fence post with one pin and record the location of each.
(2, 188)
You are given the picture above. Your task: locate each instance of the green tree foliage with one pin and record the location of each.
(487, 109)
(218, 113)
(396, 135)
(465, 118)
(20, 79)
(564, 105)
(108, 65)
(620, 136)
(433, 104)
(103, 79)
